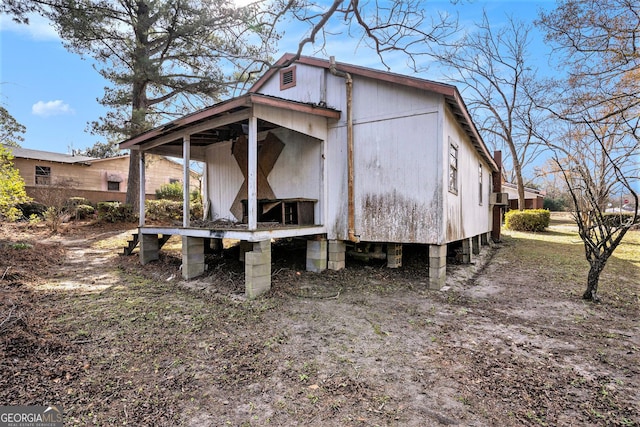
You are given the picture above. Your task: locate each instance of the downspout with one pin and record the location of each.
(350, 196)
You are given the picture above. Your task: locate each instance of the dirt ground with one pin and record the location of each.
(506, 342)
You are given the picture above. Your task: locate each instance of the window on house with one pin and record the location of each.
(173, 180)
(480, 183)
(113, 186)
(287, 78)
(453, 168)
(43, 175)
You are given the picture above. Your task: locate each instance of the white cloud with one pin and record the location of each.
(51, 108)
(39, 28)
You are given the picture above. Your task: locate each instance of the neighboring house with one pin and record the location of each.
(97, 180)
(533, 199)
(345, 156)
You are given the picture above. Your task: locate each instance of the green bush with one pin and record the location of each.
(73, 202)
(115, 212)
(170, 210)
(171, 191)
(527, 220)
(617, 219)
(84, 211)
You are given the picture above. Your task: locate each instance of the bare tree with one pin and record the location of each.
(387, 28)
(163, 58)
(171, 57)
(492, 67)
(595, 159)
(598, 106)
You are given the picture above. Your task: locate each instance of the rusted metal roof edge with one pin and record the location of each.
(182, 122)
(245, 100)
(472, 131)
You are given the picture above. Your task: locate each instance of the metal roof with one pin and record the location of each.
(27, 153)
(229, 112)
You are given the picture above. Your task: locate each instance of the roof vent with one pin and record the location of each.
(287, 78)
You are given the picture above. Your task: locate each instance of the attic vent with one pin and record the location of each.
(287, 78)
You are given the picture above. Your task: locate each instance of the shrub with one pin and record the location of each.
(73, 202)
(171, 191)
(12, 191)
(115, 212)
(527, 220)
(84, 211)
(617, 219)
(53, 217)
(32, 208)
(169, 210)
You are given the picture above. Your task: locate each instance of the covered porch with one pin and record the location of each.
(264, 178)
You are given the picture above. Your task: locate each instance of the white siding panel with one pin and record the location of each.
(337, 192)
(304, 123)
(297, 172)
(465, 216)
(376, 100)
(224, 180)
(396, 180)
(308, 88)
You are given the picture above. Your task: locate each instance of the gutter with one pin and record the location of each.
(350, 194)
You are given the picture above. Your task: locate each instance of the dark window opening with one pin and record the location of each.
(480, 183)
(113, 186)
(453, 168)
(43, 175)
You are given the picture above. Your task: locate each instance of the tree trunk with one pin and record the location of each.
(517, 168)
(133, 184)
(592, 280)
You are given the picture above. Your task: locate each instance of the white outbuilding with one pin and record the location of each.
(350, 158)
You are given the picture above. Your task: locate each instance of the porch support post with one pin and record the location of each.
(252, 173)
(193, 264)
(317, 255)
(149, 248)
(437, 266)
(466, 251)
(186, 156)
(257, 269)
(141, 218)
(475, 245)
(337, 255)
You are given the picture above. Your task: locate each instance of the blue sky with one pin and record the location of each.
(54, 93)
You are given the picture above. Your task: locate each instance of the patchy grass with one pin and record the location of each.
(560, 253)
(513, 344)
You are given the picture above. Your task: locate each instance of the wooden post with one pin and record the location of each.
(186, 156)
(252, 173)
(141, 210)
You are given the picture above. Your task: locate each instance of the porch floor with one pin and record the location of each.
(235, 230)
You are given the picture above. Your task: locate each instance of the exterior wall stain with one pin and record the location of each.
(391, 217)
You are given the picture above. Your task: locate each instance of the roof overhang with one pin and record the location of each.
(220, 122)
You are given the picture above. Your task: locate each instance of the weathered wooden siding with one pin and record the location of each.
(464, 215)
(397, 188)
(296, 173)
(401, 162)
(310, 86)
(224, 179)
